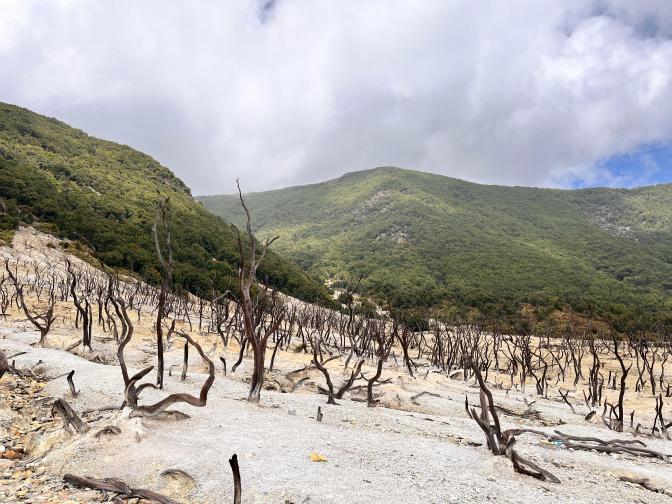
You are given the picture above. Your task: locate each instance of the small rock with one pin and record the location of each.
(22, 474)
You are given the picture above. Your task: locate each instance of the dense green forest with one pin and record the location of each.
(83, 188)
(426, 239)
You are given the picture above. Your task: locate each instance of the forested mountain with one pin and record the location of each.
(87, 189)
(423, 239)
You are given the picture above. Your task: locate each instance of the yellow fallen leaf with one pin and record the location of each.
(316, 457)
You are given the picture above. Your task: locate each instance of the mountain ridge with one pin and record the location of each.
(355, 173)
(596, 249)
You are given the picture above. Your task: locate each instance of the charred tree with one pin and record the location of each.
(253, 313)
(167, 268)
(41, 322)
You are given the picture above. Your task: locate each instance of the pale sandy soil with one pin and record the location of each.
(373, 455)
(403, 451)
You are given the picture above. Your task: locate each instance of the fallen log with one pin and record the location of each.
(16, 355)
(74, 345)
(646, 483)
(116, 486)
(633, 447)
(598, 440)
(300, 370)
(97, 410)
(299, 383)
(179, 472)
(529, 413)
(104, 485)
(110, 429)
(377, 384)
(417, 396)
(620, 449)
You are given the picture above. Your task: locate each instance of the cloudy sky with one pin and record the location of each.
(537, 92)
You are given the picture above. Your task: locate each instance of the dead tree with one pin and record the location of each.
(576, 348)
(41, 322)
(253, 313)
(384, 342)
(502, 442)
(126, 334)
(624, 375)
(82, 310)
(167, 267)
(350, 329)
(220, 314)
(594, 380)
(332, 393)
(404, 336)
(659, 418)
(132, 392)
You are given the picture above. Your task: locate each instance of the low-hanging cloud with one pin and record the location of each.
(281, 92)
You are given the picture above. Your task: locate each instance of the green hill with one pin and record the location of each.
(79, 186)
(427, 238)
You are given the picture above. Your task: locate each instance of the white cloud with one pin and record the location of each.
(534, 92)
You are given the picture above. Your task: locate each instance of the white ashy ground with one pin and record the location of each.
(373, 454)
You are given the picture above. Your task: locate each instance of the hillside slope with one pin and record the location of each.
(80, 186)
(427, 238)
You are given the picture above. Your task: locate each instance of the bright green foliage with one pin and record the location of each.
(420, 238)
(107, 193)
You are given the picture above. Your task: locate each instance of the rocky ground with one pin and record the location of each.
(411, 448)
(25, 418)
(433, 454)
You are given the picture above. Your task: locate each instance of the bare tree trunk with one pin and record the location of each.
(159, 339)
(257, 374)
(185, 365)
(167, 265)
(369, 387)
(253, 314)
(241, 353)
(233, 462)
